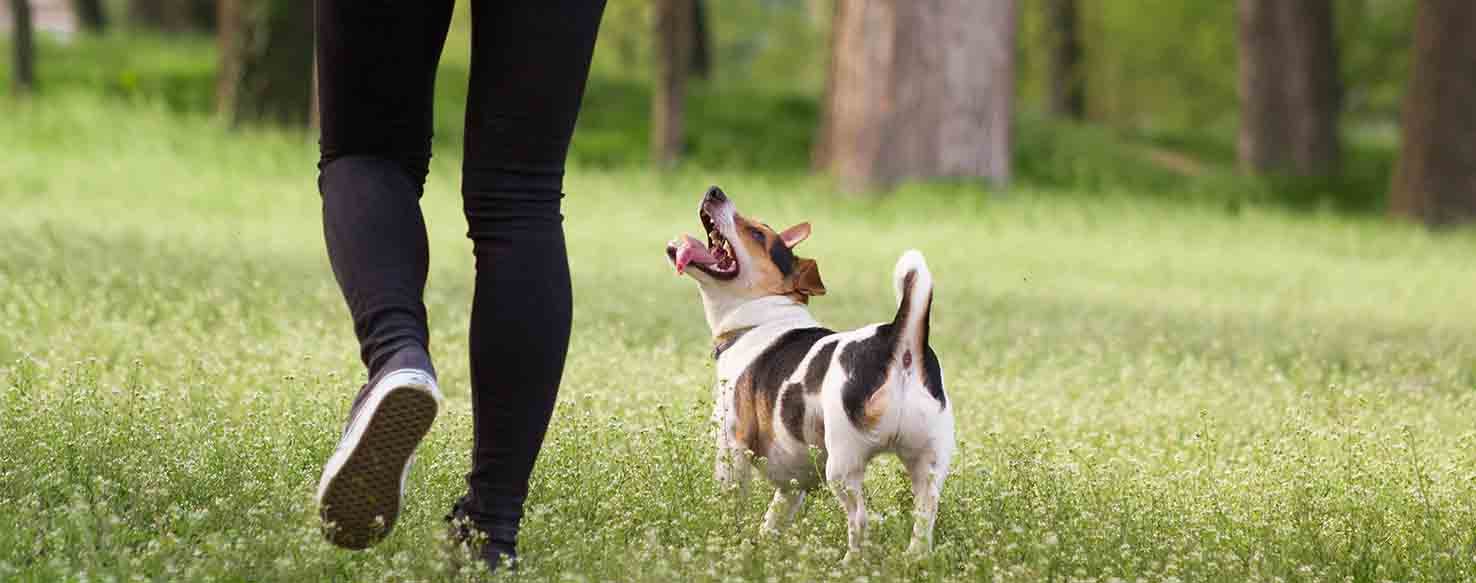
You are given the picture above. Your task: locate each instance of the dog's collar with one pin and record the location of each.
(726, 340)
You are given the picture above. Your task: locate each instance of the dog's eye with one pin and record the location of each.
(756, 234)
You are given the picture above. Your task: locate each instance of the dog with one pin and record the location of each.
(785, 384)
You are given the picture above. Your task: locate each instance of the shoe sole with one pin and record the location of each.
(359, 501)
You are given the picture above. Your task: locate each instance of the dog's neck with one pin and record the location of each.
(727, 317)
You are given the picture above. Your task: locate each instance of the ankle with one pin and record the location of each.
(467, 523)
(409, 355)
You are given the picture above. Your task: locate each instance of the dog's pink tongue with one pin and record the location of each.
(692, 251)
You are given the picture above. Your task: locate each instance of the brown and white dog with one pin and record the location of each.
(786, 384)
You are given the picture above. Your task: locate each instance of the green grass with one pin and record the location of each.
(1148, 387)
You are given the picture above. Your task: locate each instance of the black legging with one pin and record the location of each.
(376, 70)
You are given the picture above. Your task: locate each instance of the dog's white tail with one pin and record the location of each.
(914, 285)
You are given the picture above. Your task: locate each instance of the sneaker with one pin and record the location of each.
(360, 493)
(468, 540)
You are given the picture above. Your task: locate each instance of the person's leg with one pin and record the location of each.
(530, 61)
(376, 70)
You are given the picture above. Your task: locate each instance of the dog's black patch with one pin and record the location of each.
(781, 255)
(932, 371)
(757, 389)
(868, 361)
(933, 377)
(905, 307)
(819, 365)
(780, 359)
(792, 410)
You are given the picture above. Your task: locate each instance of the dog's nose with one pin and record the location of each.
(715, 194)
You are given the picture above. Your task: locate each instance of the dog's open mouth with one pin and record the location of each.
(716, 258)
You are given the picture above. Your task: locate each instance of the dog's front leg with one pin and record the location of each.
(786, 503)
(845, 480)
(733, 470)
(732, 464)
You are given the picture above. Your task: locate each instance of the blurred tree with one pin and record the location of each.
(673, 20)
(1068, 95)
(701, 41)
(266, 61)
(91, 15)
(174, 15)
(1289, 89)
(315, 120)
(1435, 181)
(919, 90)
(22, 49)
(820, 156)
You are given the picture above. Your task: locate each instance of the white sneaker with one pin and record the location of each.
(360, 493)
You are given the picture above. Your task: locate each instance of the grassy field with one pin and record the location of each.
(1148, 388)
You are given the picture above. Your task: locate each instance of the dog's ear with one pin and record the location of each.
(794, 235)
(807, 278)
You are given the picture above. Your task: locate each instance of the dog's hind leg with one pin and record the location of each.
(928, 472)
(787, 503)
(845, 480)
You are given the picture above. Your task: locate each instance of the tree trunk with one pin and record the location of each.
(266, 61)
(1289, 89)
(315, 119)
(1068, 78)
(91, 15)
(920, 90)
(673, 25)
(1435, 181)
(23, 49)
(820, 152)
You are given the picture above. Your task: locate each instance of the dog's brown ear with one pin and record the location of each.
(795, 235)
(807, 278)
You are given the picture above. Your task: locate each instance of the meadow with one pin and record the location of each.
(1157, 377)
